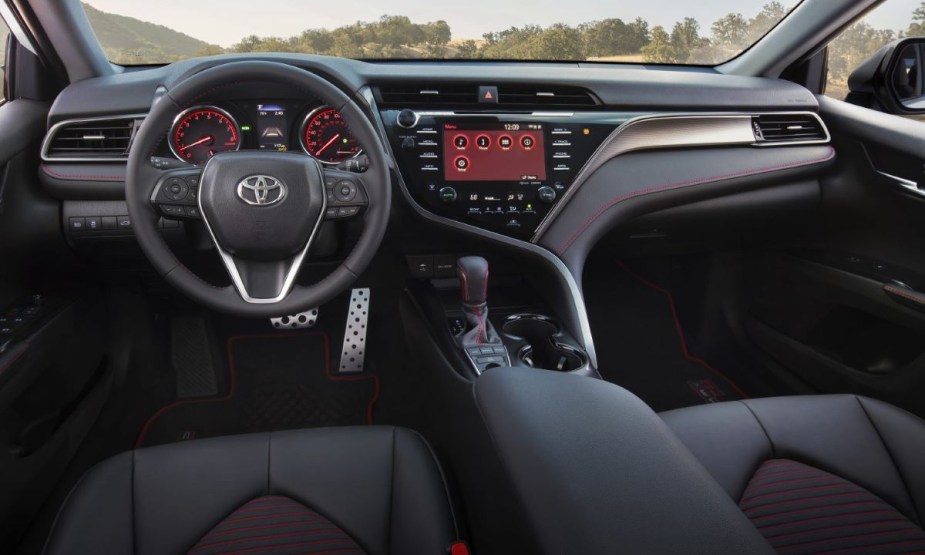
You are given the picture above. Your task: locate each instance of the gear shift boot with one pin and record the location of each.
(480, 341)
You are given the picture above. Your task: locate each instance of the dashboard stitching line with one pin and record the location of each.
(901, 293)
(83, 177)
(661, 188)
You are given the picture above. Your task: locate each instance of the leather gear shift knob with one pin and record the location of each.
(473, 277)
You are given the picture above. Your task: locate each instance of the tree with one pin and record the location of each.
(685, 38)
(917, 27)
(659, 50)
(436, 36)
(730, 31)
(769, 16)
(467, 49)
(558, 42)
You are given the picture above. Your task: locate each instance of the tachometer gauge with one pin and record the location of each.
(325, 136)
(201, 132)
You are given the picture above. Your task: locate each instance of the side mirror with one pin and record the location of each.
(893, 79)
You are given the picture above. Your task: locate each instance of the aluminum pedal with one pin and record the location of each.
(353, 352)
(301, 320)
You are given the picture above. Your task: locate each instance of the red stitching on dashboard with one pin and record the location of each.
(82, 177)
(660, 188)
(909, 295)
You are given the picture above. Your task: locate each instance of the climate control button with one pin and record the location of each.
(448, 195)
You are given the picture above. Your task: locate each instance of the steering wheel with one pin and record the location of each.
(263, 209)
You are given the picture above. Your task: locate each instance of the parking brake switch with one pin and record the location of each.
(480, 341)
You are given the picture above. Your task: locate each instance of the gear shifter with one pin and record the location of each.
(480, 341)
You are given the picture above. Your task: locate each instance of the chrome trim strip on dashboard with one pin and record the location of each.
(658, 131)
(581, 312)
(57, 127)
(296, 265)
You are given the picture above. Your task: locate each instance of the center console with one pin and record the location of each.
(501, 172)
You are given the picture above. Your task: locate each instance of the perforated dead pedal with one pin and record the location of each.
(301, 320)
(354, 350)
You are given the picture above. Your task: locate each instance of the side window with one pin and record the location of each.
(892, 20)
(4, 34)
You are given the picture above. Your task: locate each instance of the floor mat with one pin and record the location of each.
(641, 345)
(276, 382)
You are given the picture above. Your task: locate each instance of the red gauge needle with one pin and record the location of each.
(326, 145)
(205, 139)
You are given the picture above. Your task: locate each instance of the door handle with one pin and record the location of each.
(903, 183)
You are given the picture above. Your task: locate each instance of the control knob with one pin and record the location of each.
(407, 119)
(546, 194)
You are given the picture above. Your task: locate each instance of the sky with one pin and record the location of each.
(225, 22)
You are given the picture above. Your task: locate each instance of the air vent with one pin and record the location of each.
(532, 96)
(466, 96)
(416, 95)
(99, 140)
(788, 128)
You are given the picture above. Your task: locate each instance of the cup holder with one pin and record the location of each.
(542, 347)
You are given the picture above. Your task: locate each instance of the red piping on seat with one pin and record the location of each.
(680, 331)
(232, 381)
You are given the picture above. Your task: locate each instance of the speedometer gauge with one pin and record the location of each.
(325, 136)
(201, 132)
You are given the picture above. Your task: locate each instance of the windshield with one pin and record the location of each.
(668, 31)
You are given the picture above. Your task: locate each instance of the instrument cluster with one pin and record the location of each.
(200, 132)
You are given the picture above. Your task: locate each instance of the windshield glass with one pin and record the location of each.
(667, 31)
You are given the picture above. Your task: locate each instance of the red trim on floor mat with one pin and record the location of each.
(232, 381)
(680, 331)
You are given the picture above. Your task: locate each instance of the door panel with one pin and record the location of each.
(843, 307)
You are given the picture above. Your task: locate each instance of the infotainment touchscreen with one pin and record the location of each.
(494, 152)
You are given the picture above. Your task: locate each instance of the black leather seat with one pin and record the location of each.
(816, 474)
(335, 490)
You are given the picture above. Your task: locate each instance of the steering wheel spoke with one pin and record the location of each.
(176, 194)
(346, 195)
(262, 282)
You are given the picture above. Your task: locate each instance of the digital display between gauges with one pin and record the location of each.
(510, 152)
(272, 127)
(201, 132)
(326, 137)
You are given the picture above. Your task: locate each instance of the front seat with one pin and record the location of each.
(816, 474)
(333, 490)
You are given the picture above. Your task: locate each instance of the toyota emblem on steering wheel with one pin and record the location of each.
(261, 190)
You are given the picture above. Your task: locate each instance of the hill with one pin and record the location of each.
(127, 40)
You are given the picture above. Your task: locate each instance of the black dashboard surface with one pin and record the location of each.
(654, 88)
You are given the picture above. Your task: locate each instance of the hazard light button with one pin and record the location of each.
(488, 95)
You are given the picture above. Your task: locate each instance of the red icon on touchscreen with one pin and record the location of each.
(483, 142)
(505, 142)
(461, 163)
(527, 142)
(461, 142)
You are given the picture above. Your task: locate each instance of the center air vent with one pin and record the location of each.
(544, 96)
(94, 140)
(788, 128)
(417, 95)
(466, 96)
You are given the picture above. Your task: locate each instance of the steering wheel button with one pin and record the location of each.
(345, 191)
(175, 189)
(330, 213)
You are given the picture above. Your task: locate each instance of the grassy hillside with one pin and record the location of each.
(127, 40)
